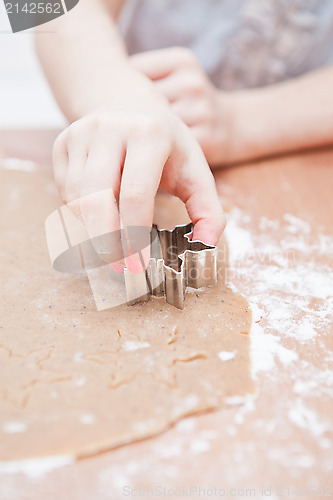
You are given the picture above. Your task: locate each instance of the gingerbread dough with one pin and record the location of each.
(77, 381)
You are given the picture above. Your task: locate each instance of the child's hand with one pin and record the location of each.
(131, 154)
(178, 75)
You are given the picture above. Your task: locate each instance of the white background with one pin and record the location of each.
(25, 98)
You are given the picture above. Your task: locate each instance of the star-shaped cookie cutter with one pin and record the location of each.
(176, 263)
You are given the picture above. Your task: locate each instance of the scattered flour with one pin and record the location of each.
(200, 445)
(81, 381)
(307, 419)
(281, 286)
(291, 296)
(36, 467)
(226, 355)
(87, 419)
(186, 425)
(14, 427)
(18, 164)
(265, 348)
(78, 357)
(133, 345)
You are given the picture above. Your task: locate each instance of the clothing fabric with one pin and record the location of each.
(240, 43)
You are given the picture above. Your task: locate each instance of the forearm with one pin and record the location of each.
(86, 63)
(282, 118)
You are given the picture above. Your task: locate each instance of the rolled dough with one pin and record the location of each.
(77, 381)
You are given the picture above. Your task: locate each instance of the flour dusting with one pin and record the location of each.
(269, 267)
(285, 271)
(18, 164)
(226, 355)
(36, 467)
(133, 345)
(14, 427)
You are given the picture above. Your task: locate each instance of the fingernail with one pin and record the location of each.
(118, 267)
(206, 236)
(135, 263)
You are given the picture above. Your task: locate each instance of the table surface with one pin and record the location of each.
(278, 444)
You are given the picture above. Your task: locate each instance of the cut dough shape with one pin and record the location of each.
(77, 381)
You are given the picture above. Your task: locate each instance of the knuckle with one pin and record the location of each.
(91, 205)
(101, 121)
(198, 83)
(93, 186)
(58, 143)
(71, 195)
(59, 146)
(149, 126)
(133, 194)
(203, 113)
(74, 132)
(71, 189)
(186, 56)
(60, 184)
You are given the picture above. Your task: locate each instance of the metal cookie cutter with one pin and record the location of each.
(176, 262)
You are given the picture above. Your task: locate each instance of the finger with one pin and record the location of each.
(77, 146)
(60, 163)
(198, 191)
(99, 189)
(191, 111)
(199, 132)
(140, 180)
(104, 164)
(206, 213)
(158, 64)
(182, 84)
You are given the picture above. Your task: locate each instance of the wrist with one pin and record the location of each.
(231, 140)
(218, 141)
(122, 87)
(251, 114)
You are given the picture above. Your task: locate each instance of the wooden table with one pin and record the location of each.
(278, 445)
